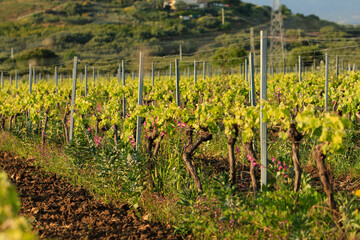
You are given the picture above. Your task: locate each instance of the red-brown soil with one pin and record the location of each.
(59, 210)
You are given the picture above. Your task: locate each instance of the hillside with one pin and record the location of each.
(105, 31)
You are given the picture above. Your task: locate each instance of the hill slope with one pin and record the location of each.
(114, 30)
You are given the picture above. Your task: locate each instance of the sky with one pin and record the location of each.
(340, 11)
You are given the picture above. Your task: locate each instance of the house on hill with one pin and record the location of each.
(198, 3)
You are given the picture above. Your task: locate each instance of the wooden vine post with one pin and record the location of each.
(16, 79)
(73, 95)
(177, 82)
(284, 66)
(30, 78)
(326, 81)
(195, 72)
(94, 76)
(2, 79)
(263, 97)
(153, 74)
(123, 83)
(246, 74)
(252, 79)
(86, 81)
(140, 99)
(300, 69)
(204, 70)
(56, 79)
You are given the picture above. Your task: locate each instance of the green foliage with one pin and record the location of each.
(85, 26)
(73, 8)
(208, 22)
(332, 32)
(308, 54)
(223, 212)
(285, 10)
(123, 168)
(141, 5)
(213, 105)
(78, 20)
(82, 149)
(231, 2)
(69, 55)
(229, 56)
(181, 6)
(329, 129)
(38, 56)
(76, 37)
(12, 227)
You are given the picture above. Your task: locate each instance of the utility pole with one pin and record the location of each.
(252, 44)
(180, 51)
(222, 16)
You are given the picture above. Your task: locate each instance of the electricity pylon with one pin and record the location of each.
(277, 50)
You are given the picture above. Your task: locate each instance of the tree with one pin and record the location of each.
(69, 55)
(142, 5)
(285, 10)
(229, 57)
(41, 56)
(72, 9)
(308, 55)
(181, 6)
(232, 2)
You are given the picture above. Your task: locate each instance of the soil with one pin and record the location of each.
(59, 210)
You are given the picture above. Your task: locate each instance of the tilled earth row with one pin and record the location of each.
(60, 210)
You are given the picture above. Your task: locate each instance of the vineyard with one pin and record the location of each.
(187, 152)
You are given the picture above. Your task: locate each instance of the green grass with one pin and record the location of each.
(54, 159)
(220, 211)
(14, 9)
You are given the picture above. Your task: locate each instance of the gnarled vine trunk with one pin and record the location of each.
(45, 126)
(10, 122)
(97, 129)
(150, 166)
(250, 151)
(157, 146)
(2, 123)
(116, 136)
(231, 148)
(66, 130)
(189, 150)
(319, 157)
(295, 138)
(15, 117)
(152, 149)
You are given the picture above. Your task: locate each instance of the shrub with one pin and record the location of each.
(41, 56)
(11, 226)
